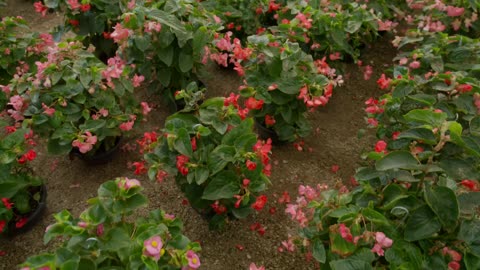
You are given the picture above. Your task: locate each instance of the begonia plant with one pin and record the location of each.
(215, 157)
(102, 237)
(20, 188)
(76, 101)
(282, 83)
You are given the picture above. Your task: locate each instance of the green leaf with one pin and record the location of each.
(93, 125)
(57, 147)
(475, 126)
(375, 217)
(319, 251)
(349, 264)
(424, 98)
(422, 224)
(471, 261)
(182, 143)
(404, 255)
(142, 42)
(223, 186)
(443, 202)
(402, 89)
(166, 55)
(397, 160)
(459, 169)
(220, 157)
(421, 134)
(201, 175)
(426, 116)
(185, 62)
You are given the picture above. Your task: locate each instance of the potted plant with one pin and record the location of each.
(283, 83)
(215, 158)
(22, 193)
(165, 44)
(101, 237)
(90, 20)
(76, 101)
(19, 51)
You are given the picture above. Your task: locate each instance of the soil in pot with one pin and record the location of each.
(27, 221)
(102, 155)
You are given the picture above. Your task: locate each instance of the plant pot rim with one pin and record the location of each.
(98, 158)
(33, 217)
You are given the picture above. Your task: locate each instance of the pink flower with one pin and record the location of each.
(161, 175)
(253, 266)
(40, 8)
(414, 65)
(367, 72)
(345, 233)
(85, 142)
(381, 242)
(131, 4)
(453, 265)
(137, 80)
(130, 183)
(386, 26)
(120, 33)
(153, 247)
(145, 108)
(288, 245)
(17, 102)
(455, 11)
(74, 4)
(335, 56)
(152, 26)
(126, 126)
(193, 259)
(47, 110)
(100, 229)
(181, 161)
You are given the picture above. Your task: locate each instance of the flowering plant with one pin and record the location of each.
(445, 16)
(103, 238)
(332, 28)
(19, 52)
(20, 190)
(165, 43)
(215, 158)
(438, 52)
(90, 19)
(243, 18)
(282, 83)
(75, 100)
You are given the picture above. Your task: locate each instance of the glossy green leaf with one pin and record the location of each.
(182, 143)
(421, 134)
(443, 202)
(422, 224)
(223, 185)
(397, 160)
(426, 117)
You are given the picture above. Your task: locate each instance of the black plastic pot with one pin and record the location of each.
(33, 218)
(101, 156)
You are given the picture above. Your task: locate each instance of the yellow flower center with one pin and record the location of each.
(154, 244)
(194, 260)
(162, 251)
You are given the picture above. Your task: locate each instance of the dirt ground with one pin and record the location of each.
(335, 142)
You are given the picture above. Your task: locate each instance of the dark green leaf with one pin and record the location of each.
(443, 202)
(223, 186)
(397, 160)
(422, 224)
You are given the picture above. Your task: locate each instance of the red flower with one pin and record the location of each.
(10, 129)
(231, 100)
(251, 165)
(345, 233)
(254, 104)
(181, 161)
(29, 156)
(7, 203)
(272, 6)
(20, 223)
(260, 202)
(2, 225)
(193, 141)
(463, 88)
(285, 198)
(40, 8)
(139, 167)
(472, 185)
(269, 120)
(85, 7)
(74, 22)
(335, 168)
(380, 146)
(218, 208)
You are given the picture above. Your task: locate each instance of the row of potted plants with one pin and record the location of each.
(416, 203)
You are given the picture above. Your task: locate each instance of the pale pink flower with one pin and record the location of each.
(153, 247)
(137, 80)
(131, 4)
(367, 72)
(126, 126)
(403, 61)
(455, 11)
(193, 259)
(74, 4)
(48, 110)
(456, 24)
(120, 33)
(414, 65)
(17, 102)
(145, 108)
(151, 26)
(103, 112)
(386, 25)
(253, 266)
